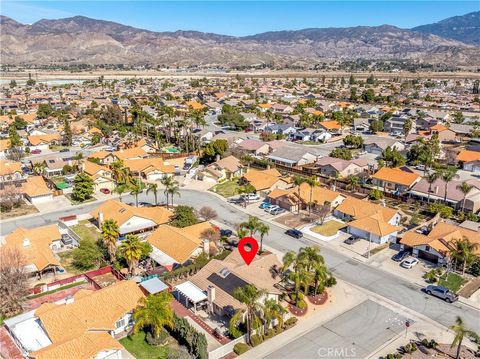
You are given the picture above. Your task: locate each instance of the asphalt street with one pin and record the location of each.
(350, 270)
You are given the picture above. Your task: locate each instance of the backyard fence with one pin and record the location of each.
(227, 348)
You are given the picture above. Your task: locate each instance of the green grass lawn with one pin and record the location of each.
(66, 259)
(75, 202)
(226, 189)
(328, 228)
(86, 232)
(452, 282)
(140, 349)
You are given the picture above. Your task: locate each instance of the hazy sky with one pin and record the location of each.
(245, 17)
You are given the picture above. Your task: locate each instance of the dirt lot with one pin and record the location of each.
(23, 210)
(294, 220)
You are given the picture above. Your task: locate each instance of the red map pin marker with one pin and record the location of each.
(248, 248)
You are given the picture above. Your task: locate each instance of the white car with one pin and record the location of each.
(271, 208)
(409, 262)
(250, 196)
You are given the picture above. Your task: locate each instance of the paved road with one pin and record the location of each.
(373, 279)
(346, 336)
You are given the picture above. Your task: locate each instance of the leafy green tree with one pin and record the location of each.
(13, 84)
(464, 252)
(183, 216)
(343, 153)
(458, 117)
(44, 110)
(14, 137)
(87, 255)
(407, 127)
(67, 132)
(461, 331)
(376, 126)
(353, 141)
(154, 312)
(370, 79)
(83, 187)
(272, 310)
(214, 148)
(110, 234)
(392, 157)
(353, 183)
(368, 95)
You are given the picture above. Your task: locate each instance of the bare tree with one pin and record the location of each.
(212, 236)
(207, 213)
(13, 281)
(10, 197)
(323, 212)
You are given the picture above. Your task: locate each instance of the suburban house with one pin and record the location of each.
(254, 147)
(265, 181)
(378, 144)
(219, 278)
(175, 246)
(4, 147)
(53, 165)
(36, 190)
(224, 169)
(37, 246)
(394, 125)
(424, 191)
(444, 133)
(469, 160)
(42, 142)
(290, 199)
(395, 180)
(11, 171)
(331, 126)
(130, 154)
(131, 219)
(280, 129)
(151, 169)
(368, 220)
(101, 175)
(337, 167)
(82, 326)
(292, 156)
(436, 245)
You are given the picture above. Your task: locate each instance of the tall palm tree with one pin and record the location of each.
(250, 296)
(110, 234)
(154, 312)
(131, 249)
(297, 181)
(465, 188)
(167, 181)
(153, 187)
(272, 310)
(301, 279)
(431, 178)
(320, 275)
(464, 251)
(309, 256)
(460, 331)
(241, 231)
(353, 182)
(39, 168)
(173, 190)
(263, 229)
(251, 225)
(121, 188)
(448, 175)
(136, 188)
(312, 182)
(119, 172)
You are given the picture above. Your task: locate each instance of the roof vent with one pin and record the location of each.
(26, 242)
(224, 272)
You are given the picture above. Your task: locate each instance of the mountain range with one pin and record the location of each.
(79, 39)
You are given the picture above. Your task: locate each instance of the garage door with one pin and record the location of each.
(428, 256)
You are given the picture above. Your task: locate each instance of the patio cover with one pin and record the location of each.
(154, 285)
(191, 291)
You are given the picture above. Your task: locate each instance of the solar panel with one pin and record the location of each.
(227, 284)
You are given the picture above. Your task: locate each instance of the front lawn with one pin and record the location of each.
(75, 202)
(86, 231)
(140, 349)
(452, 282)
(66, 259)
(328, 228)
(226, 189)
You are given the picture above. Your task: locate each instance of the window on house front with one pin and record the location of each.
(120, 323)
(427, 248)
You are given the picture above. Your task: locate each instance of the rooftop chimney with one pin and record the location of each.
(206, 246)
(26, 242)
(69, 299)
(100, 219)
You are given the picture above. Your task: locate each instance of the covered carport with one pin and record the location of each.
(189, 292)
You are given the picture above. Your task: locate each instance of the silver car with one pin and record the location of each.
(442, 293)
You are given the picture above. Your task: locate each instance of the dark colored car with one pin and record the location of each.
(441, 292)
(105, 190)
(36, 152)
(295, 233)
(400, 256)
(225, 232)
(64, 150)
(351, 240)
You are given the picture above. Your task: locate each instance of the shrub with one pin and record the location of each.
(431, 344)
(475, 268)
(431, 276)
(301, 304)
(393, 356)
(150, 339)
(331, 281)
(270, 333)
(375, 194)
(240, 348)
(410, 348)
(444, 210)
(290, 322)
(256, 339)
(186, 335)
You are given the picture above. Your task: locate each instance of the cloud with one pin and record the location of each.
(26, 13)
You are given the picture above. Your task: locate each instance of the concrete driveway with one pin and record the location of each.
(353, 334)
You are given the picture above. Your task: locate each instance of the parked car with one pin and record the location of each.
(265, 205)
(295, 233)
(271, 208)
(105, 190)
(277, 211)
(400, 256)
(250, 196)
(409, 263)
(351, 240)
(36, 152)
(441, 292)
(145, 204)
(64, 150)
(225, 232)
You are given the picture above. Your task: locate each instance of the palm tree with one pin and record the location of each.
(308, 256)
(110, 234)
(39, 168)
(297, 181)
(167, 181)
(301, 279)
(272, 310)
(121, 188)
(173, 190)
(119, 172)
(465, 188)
(431, 178)
(464, 251)
(320, 275)
(250, 296)
(241, 231)
(251, 225)
(131, 249)
(353, 182)
(153, 187)
(448, 175)
(154, 312)
(136, 188)
(312, 182)
(460, 331)
(263, 229)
